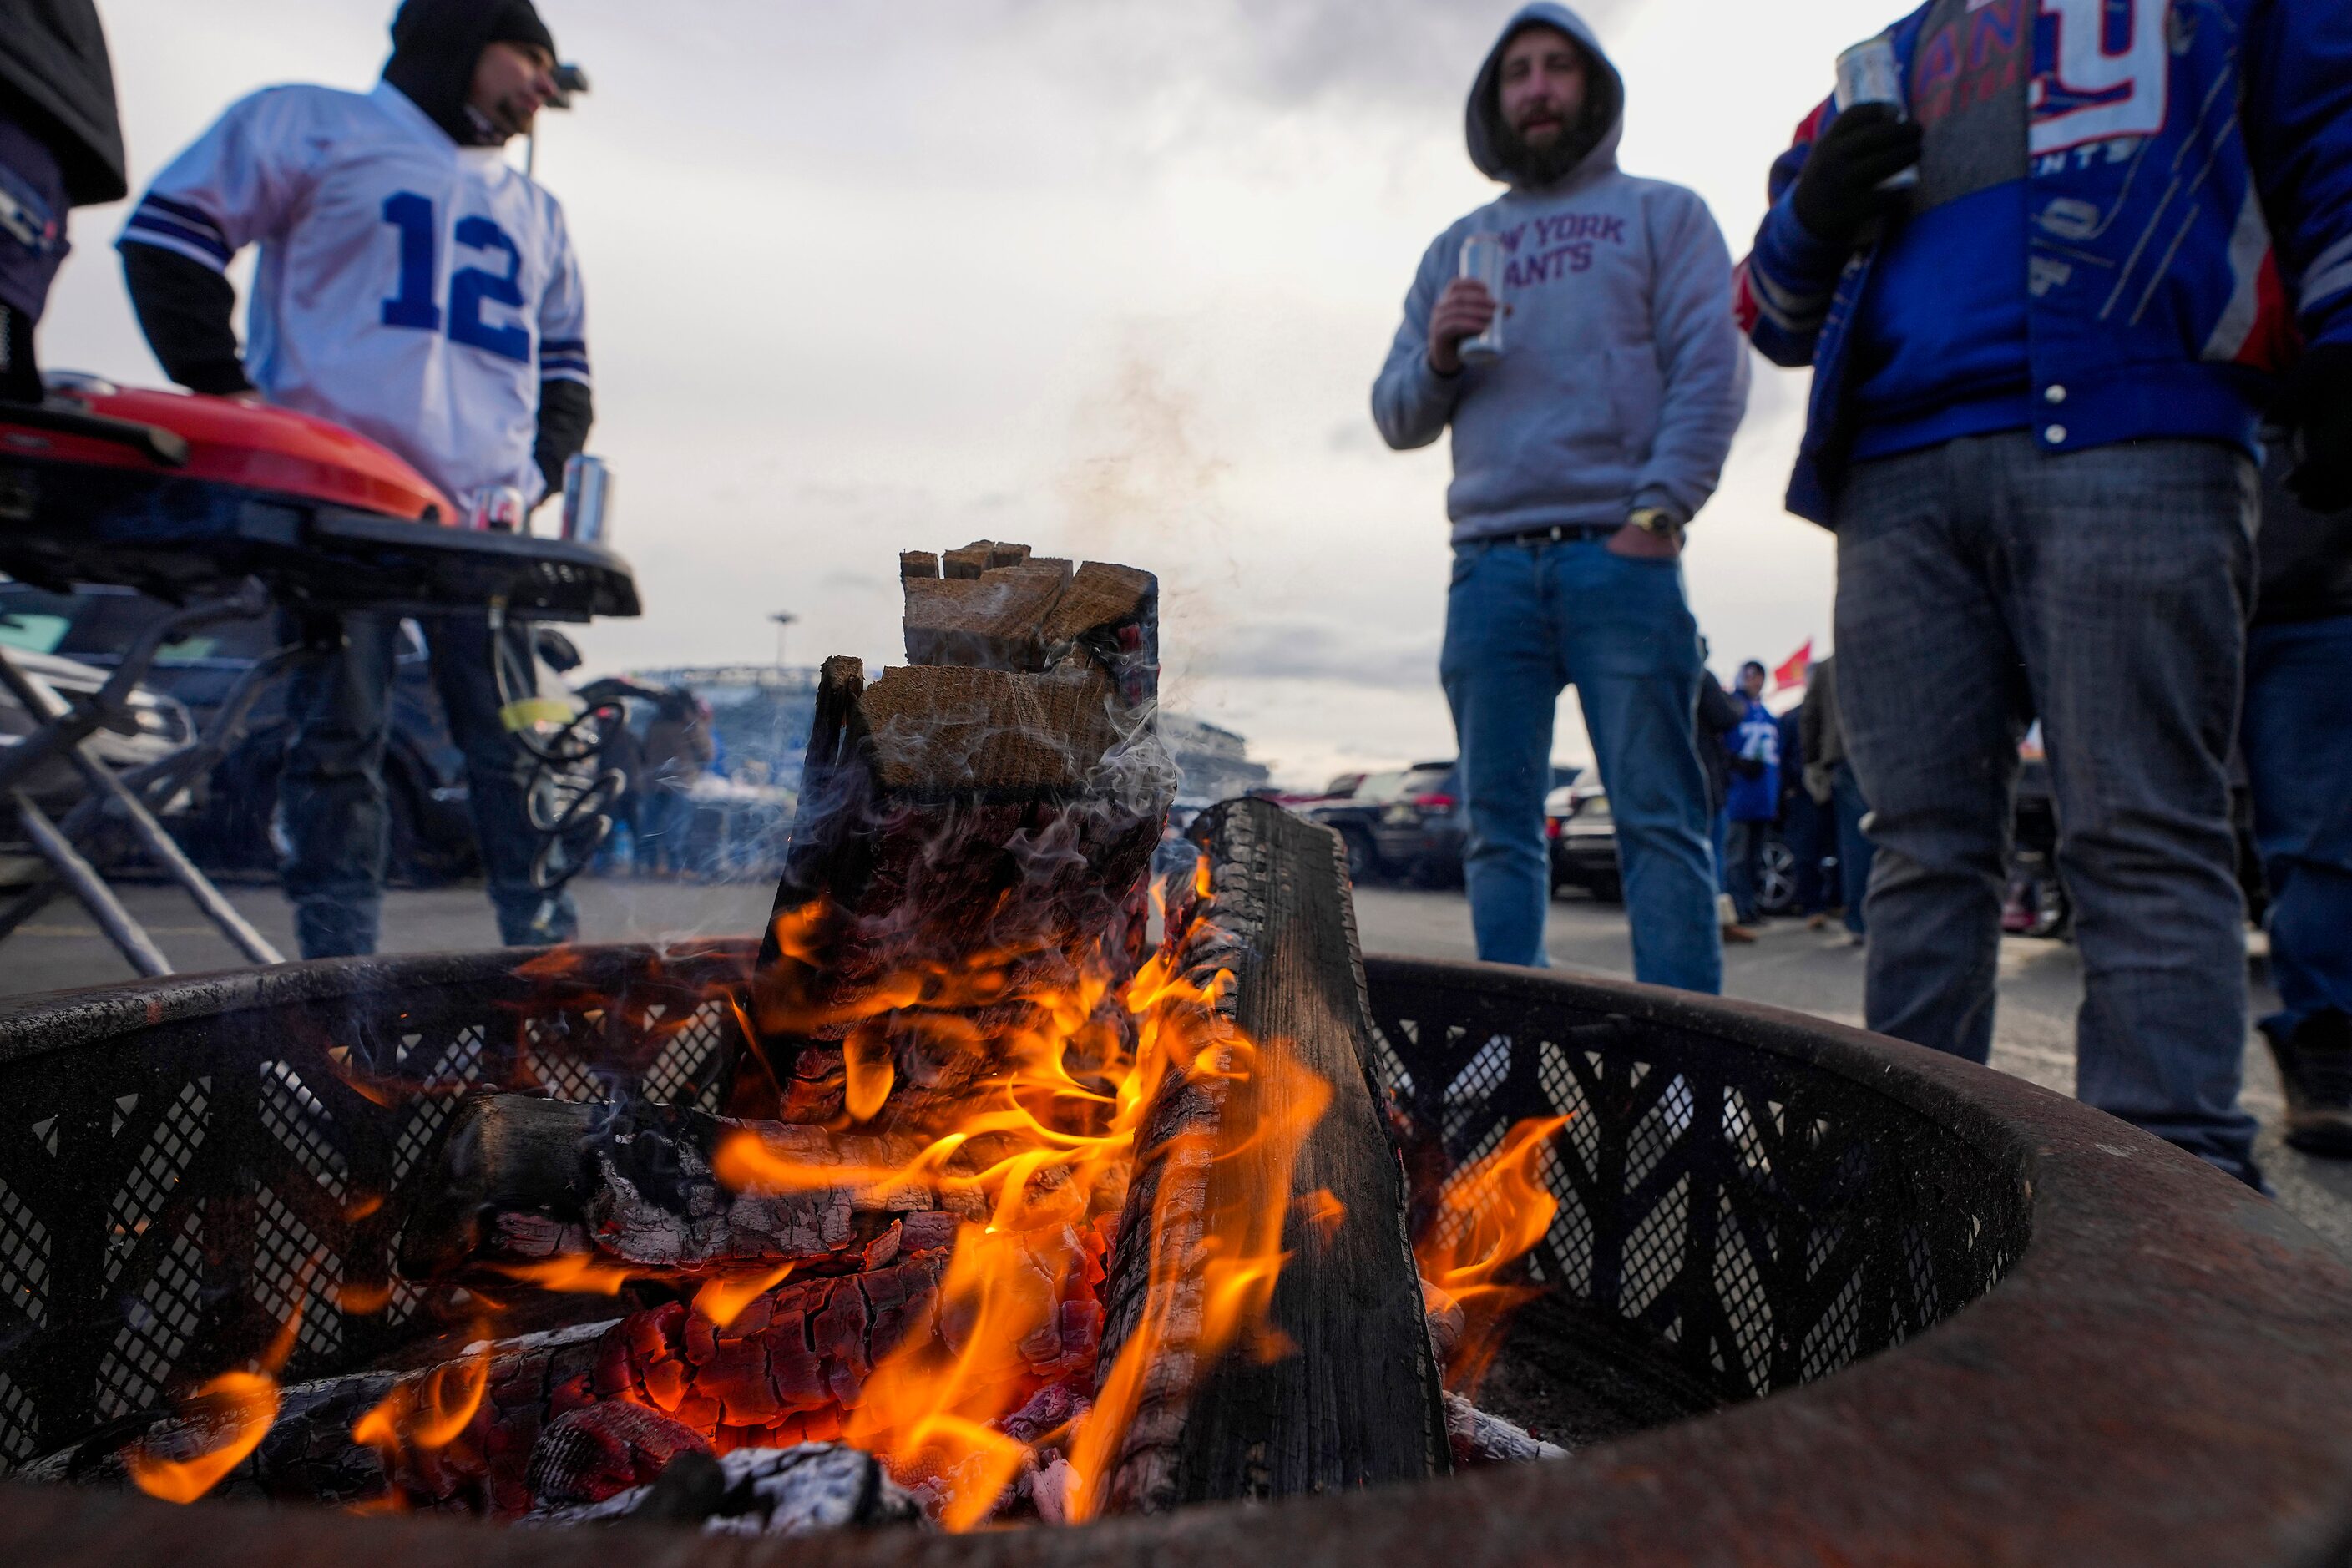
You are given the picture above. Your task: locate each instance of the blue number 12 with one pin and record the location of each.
(413, 308)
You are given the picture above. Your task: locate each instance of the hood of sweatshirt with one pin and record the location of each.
(437, 44)
(1604, 100)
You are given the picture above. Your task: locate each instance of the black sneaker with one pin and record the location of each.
(2316, 1066)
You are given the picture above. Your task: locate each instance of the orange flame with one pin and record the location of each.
(237, 1409)
(1047, 1139)
(245, 1405)
(424, 1415)
(576, 1274)
(722, 1301)
(928, 1408)
(363, 1301)
(1275, 1101)
(870, 1070)
(1491, 1214)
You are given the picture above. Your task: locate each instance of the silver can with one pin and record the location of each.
(587, 500)
(1483, 257)
(1870, 73)
(499, 509)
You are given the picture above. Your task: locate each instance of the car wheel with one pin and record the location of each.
(1776, 891)
(1363, 860)
(1608, 887)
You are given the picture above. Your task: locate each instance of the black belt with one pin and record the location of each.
(1558, 533)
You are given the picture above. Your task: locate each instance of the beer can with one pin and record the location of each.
(587, 500)
(1870, 73)
(1483, 257)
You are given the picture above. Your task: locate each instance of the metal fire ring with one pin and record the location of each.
(2153, 1366)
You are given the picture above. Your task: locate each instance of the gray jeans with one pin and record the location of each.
(1981, 584)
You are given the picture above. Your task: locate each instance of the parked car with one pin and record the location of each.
(231, 830)
(1407, 826)
(1356, 817)
(1583, 838)
(164, 724)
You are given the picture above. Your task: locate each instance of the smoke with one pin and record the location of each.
(1143, 485)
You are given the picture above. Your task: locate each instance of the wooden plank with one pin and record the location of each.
(1357, 1402)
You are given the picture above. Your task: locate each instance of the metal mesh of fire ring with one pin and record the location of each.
(167, 1193)
(170, 1195)
(1763, 1223)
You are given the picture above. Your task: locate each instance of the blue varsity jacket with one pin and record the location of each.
(2190, 211)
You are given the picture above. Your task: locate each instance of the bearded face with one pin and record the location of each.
(1548, 105)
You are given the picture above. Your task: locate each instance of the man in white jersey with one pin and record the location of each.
(415, 287)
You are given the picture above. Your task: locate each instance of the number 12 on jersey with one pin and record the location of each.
(469, 287)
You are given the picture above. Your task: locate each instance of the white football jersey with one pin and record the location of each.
(409, 288)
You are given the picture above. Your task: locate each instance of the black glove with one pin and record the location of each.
(1865, 147)
(1747, 768)
(2323, 480)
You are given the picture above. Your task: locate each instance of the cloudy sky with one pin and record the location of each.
(1107, 276)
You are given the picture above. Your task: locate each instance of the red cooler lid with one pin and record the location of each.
(246, 444)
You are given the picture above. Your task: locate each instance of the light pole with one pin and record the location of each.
(783, 619)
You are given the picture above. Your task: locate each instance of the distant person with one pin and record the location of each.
(60, 147)
(1719, 714)
(2038, 376)
(2299, 747)
(417, 287)
(1805, 826)
(1578, 456)
(1753, 803)
(1830, 780)
(678, 751)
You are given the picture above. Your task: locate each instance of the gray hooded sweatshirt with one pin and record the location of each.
(1624, 376)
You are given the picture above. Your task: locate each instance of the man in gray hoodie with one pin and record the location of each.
(1579, 456)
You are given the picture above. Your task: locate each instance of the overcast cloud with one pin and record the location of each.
(1107, 276)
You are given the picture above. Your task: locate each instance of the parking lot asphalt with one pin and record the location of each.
(1810, 972)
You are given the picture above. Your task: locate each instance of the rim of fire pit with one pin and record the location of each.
(2162, 1375)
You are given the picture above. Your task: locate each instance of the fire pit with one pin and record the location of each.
(1938, 1316)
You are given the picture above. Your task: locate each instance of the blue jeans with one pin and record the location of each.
(2298, 737)
(1983, 582)
(1744, 875)
(1854, 850)
(337, 817)
(1523, 623)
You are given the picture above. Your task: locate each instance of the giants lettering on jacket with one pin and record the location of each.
(1551, 249)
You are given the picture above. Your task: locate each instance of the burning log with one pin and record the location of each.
(770, 1370)
(592, 1455)
(525, 1181)
(974, 826)
(1358, 1403)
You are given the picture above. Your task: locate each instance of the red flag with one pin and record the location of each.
(1792, 674)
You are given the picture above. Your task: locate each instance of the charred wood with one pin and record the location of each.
(802, 1490)
(1357, 1402)
(525, 1181)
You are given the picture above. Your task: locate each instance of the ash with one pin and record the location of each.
(804, 1490)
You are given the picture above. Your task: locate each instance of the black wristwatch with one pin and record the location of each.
(1656, 521)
